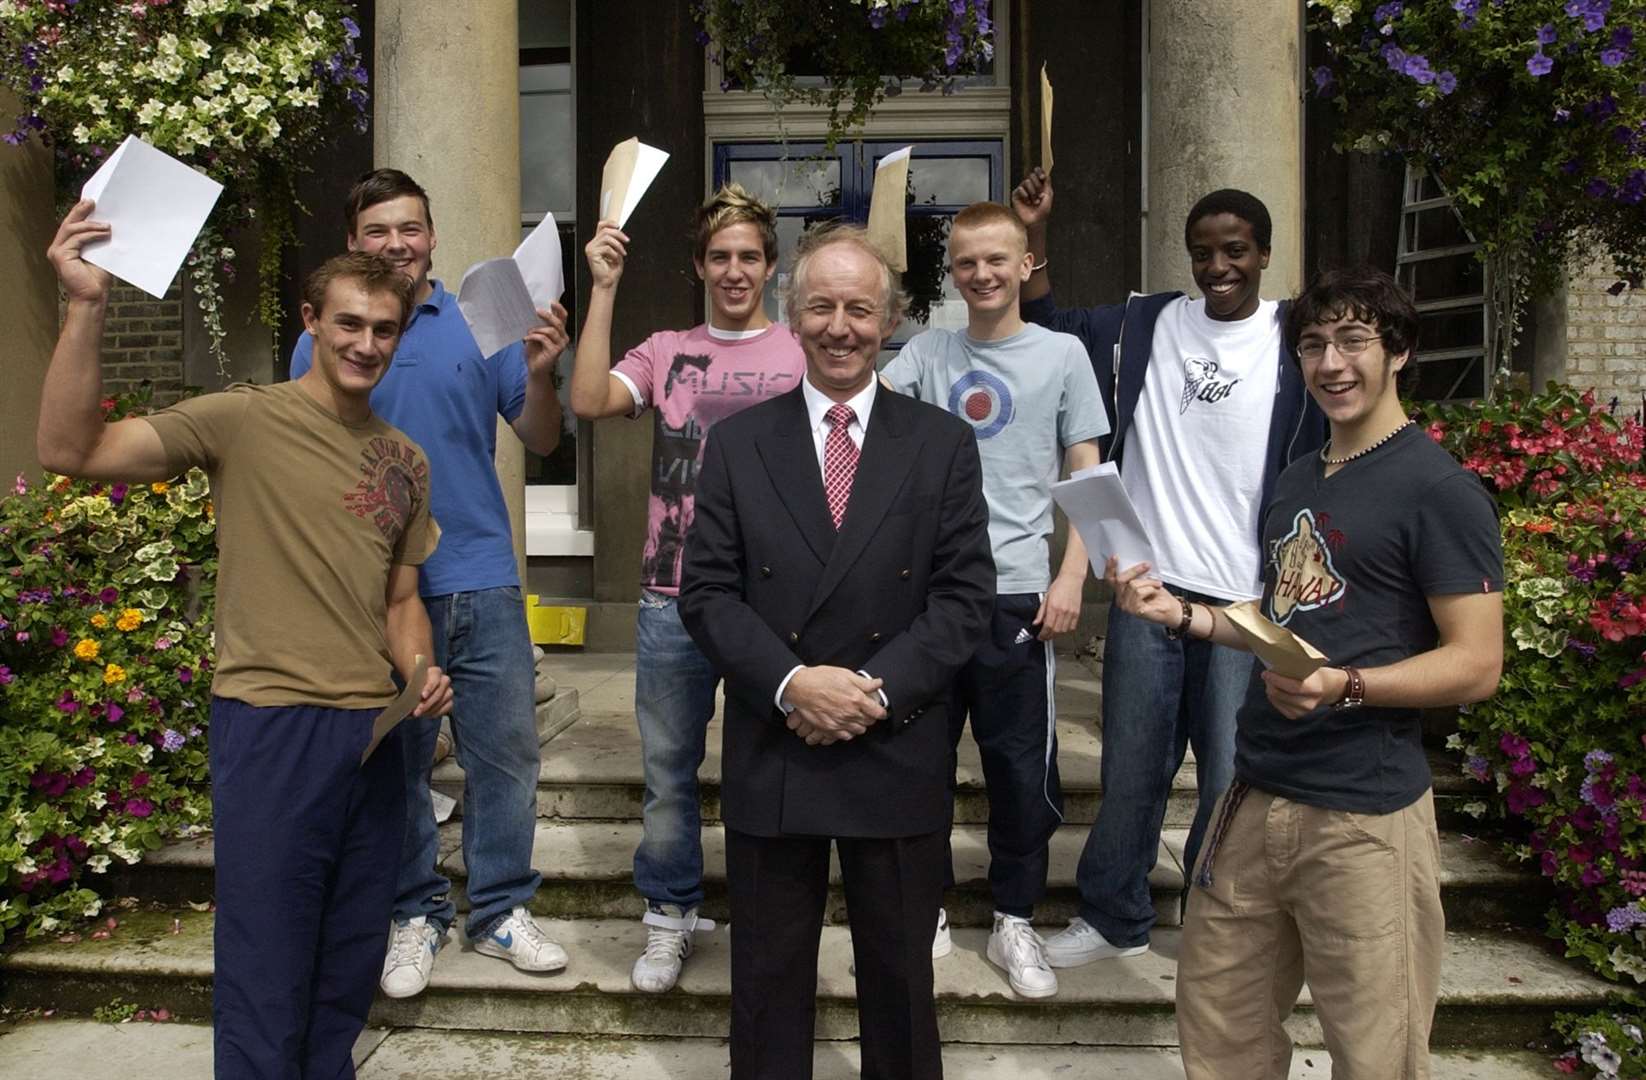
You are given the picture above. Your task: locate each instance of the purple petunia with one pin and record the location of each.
(351, 28)
(1539, 65)
(1446, 82)
(1388, 13)
(1466, 11)
(1546, 34)
(1417, 68)
(171, 741)
(1323, 78)
(1621, 920)
(1592, 12)
(1595, 760)
(1613, 57)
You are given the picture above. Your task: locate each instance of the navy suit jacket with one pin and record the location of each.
(903, 591)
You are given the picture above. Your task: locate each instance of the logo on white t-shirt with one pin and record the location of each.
(982, 400)
(1304, 576)
(1201, 383)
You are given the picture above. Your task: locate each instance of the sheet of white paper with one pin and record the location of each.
(443, 805)
(155, 206)
(1099, 509)
(496, 304)
(538, 257)
(647, 164)
(894, 157)
(400, 708)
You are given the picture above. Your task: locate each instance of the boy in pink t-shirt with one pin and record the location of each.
(690, 380)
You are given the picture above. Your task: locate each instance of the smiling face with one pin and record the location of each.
(989, 264)
(842, 319)
(735, 269)
(398, 229)
(1353, 390)
(1227, 264)
(355, 334)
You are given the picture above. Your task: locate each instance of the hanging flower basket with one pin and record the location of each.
(846, 54)
(243, 90)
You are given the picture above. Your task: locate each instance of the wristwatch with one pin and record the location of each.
(1354, 692)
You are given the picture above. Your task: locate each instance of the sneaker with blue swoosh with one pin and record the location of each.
(518, 939)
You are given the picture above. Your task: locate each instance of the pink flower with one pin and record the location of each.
(109, 595)
(6, 676)
(139, 808)
(115, 713)
(139, 780)
(67, 703)
(185, 675)
(59, 637)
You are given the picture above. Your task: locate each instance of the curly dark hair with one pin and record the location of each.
(1362, 293)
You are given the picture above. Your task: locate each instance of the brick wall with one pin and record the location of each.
(1606, 337)
(143, 339)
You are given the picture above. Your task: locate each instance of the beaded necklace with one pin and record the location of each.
(1365, 450)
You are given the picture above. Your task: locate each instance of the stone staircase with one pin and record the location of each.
(1501, 985)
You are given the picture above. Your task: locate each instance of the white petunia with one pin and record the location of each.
(314, 20)
(99, 864)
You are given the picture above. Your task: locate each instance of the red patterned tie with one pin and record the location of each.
(839, 461)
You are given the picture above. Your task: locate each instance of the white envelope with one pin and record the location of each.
(155, 206)
(630, 169)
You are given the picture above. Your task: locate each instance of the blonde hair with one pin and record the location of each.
(982, 214)
(894, 300)
(733, 205)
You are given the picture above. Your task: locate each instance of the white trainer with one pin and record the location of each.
(942, 943)
(669, 930)
(1080, 943)
(410, 959)
(518, 939)
(1016, 947)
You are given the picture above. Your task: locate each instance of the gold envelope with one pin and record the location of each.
(887, 209)
(1045, 121)
(615, 177)
(400, 708)
(1276, 646)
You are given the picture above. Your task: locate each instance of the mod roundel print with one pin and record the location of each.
(983, 401)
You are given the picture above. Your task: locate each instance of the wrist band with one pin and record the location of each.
(1182, 627)
(1035, 268)
(1354, 693)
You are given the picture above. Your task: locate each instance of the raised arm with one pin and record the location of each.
(72, 437)
(596, 393)
(1032, 202)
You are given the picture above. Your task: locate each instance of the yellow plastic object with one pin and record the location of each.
(554, 624)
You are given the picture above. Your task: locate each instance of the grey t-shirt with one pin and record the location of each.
(1027, 397)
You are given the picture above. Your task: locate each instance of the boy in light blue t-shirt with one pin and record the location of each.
(1032, 400)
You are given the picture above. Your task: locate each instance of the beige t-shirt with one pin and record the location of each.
(311, 513)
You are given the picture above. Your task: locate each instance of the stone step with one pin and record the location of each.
(587, 874)
(1497, 989)
(183, 1052)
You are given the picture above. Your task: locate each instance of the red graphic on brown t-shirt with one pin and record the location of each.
(393, 478)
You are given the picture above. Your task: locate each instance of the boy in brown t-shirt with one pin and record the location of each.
(323, 518)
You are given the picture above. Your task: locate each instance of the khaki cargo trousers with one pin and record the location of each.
(1349, 901)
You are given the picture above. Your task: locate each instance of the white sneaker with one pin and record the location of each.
(942, 943)
(519, 940)
(669, 931)
(1081, 943)
(1016, 947)
(410, 958)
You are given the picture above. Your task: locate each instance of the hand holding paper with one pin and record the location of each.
(400, 708)
(1278, 648)
(1098, 508)
(630, 169)
(499, 298)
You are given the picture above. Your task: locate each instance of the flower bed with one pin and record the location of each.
(1563, 741)
(105, 647)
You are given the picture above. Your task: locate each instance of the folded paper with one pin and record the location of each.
(1045, 121)
(1278, 648)
(400, 708)
(630, 169)
(887, 208)
(1098, 508)
(155, 206)
(499, 298)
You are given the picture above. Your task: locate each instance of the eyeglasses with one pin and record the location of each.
(1347, 345)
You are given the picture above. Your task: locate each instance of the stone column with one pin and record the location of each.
(1225, 110)
(447, 111)
(28, 295)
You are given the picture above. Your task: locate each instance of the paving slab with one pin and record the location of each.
(1496, 989)
(88, 1050)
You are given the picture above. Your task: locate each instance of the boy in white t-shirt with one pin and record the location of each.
(689, 379)
(1033, 403)
(1207, 411)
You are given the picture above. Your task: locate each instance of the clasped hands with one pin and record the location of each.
(832, 704)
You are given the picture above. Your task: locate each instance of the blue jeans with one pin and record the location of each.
(481, 640)
(673, 703)
(1159, 697)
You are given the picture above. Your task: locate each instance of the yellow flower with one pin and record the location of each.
(86, 649)
(130, 619)
(114, 673)
(159, 487)
(100, 620)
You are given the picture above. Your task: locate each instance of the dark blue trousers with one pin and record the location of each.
(307, 850)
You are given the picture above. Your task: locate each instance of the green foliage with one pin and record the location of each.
(115, 1012)
(862, 49)
(1563, 741)
(105, 647)
(243, 90)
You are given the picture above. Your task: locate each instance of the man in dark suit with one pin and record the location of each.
(838, 575)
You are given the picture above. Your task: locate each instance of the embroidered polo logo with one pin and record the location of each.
(1304, 577)
(1201, 383)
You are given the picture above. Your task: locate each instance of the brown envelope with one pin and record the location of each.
(887, 208)
(1276, 646)
(1045, 121)
(400, 708)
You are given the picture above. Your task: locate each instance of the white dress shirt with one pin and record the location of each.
(818, 405)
